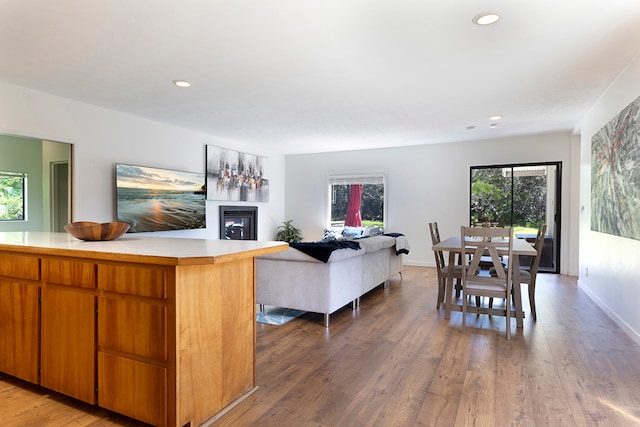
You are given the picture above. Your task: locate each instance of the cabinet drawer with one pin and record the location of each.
(70, 273)
(133, 327)
(147, 282)
(135, 389)
(21, 267)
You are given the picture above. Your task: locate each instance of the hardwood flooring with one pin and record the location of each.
(396, 361)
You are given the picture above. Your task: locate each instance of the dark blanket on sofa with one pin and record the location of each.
(322, 250)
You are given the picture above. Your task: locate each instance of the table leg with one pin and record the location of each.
(448, 297)
(517, 290)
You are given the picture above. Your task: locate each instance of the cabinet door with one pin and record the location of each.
(68, 342)
(19, 330)
(133, 388)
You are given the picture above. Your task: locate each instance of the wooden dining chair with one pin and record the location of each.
(492, 242)
(529, 273)
(442, 268)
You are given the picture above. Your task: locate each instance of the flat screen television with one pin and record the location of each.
(153, 199)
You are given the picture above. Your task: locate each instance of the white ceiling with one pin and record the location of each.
(325, 75)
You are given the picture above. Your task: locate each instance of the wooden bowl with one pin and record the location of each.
(87, 230)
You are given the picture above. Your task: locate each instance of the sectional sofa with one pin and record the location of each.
(294, 279)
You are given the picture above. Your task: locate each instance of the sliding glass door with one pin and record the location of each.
(521, 196)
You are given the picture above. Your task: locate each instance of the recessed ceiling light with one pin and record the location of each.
(496, 117)
(181, 83)
(486, 18)
(471, 128)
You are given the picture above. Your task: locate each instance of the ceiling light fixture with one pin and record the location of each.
(181, 83)
(496, 117)
(486, 18)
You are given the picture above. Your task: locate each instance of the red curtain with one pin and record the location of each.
(353, 218)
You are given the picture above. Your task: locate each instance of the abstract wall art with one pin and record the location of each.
(615, 175)
(236, 176)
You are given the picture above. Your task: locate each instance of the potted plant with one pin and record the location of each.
(288, 232)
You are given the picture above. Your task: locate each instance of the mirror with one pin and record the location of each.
(46, 168)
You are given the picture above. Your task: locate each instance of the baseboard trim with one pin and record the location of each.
(632, 333)
(229, 407)
(419, 263)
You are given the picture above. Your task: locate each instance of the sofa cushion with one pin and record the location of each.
(351, 232)
(372, 244)
(293, 254)
(331, 234)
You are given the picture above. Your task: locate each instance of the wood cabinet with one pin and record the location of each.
(68, 327)
(160, 330)
(133, 341)
(19, 316)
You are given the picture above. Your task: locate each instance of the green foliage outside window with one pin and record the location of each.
(491, 198)
(12, 196)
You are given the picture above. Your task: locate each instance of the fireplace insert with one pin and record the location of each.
(239, 222)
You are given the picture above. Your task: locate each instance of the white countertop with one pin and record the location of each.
(157, 250)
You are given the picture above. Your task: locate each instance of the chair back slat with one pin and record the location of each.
(497, 263)
(435, 239)
(474, 263)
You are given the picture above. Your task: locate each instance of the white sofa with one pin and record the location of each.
(293, 279)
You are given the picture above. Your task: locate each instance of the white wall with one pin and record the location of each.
(427, 183)
(103, 137)
(612, 262)
(24, 155)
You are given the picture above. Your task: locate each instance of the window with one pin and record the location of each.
(356, 200)
(12, 196)
(522, 196)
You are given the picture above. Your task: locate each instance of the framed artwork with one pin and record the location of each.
(615, 175)
(153, 199)
(236, 176)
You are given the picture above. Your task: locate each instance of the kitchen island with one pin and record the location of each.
(159, 329)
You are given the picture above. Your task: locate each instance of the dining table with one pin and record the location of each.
(453, 245)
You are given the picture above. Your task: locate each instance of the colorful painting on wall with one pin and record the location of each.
(153, 199)
(615, 175)
(236, 176)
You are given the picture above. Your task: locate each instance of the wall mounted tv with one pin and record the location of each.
(152, 199)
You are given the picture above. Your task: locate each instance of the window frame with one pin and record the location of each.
(554, 216)
(373, 177)
(23, 176)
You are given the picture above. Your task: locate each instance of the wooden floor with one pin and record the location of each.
(396, 361)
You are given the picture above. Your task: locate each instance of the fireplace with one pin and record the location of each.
(239, 222)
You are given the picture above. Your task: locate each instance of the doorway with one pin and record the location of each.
(522, 196)
(59, 195)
